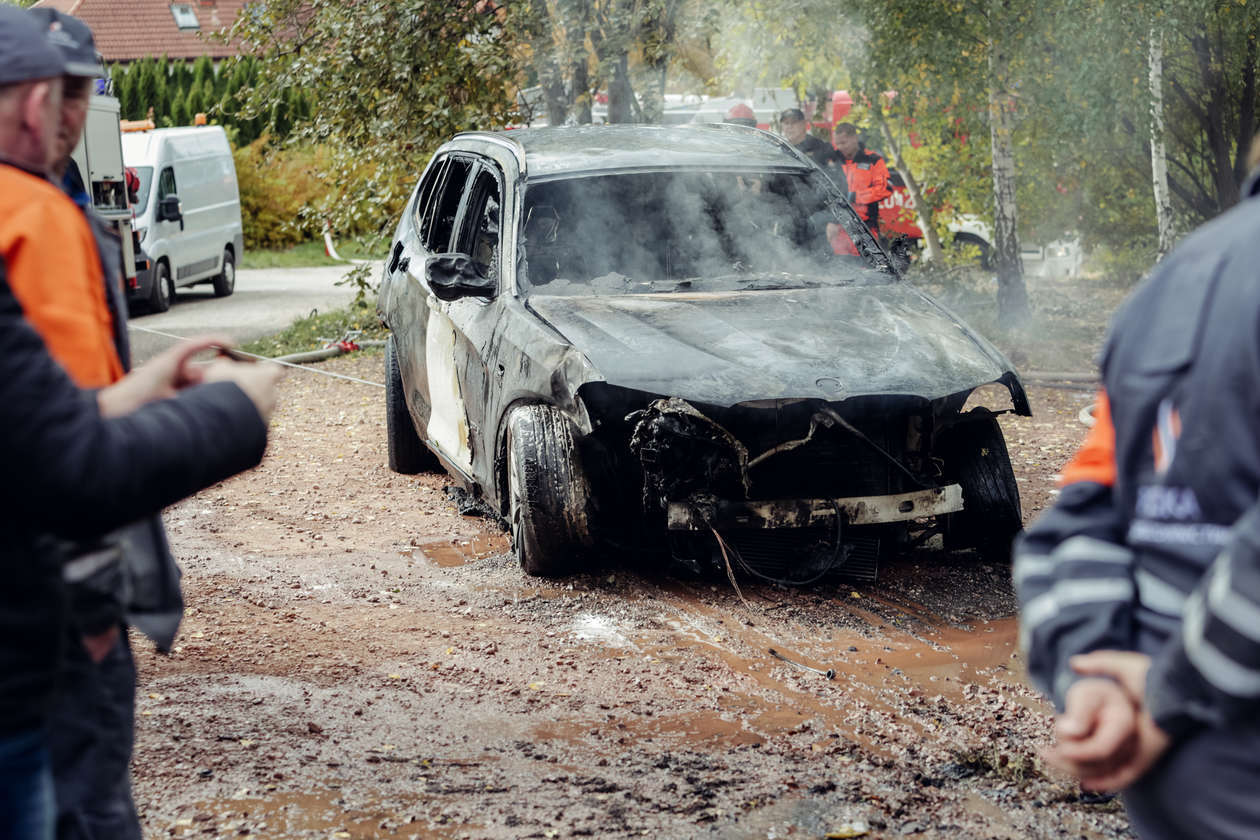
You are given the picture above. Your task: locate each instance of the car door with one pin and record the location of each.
(424, 335)
(471, 321)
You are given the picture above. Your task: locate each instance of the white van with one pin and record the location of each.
(188, 210)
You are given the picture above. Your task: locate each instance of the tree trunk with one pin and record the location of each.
(931, 242)
(581, 92)
(620, 92)
(1012, 293)
(1159, 156)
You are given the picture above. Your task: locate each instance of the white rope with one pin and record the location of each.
(265, 359)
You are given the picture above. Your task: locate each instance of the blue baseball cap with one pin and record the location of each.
(74, 38)
(25, 54)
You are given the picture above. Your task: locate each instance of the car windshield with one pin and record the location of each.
(145, 174)
(689, 230)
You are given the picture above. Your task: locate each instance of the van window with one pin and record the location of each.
(444, 206)
(145, 175)
(166, 183)
(479, 235)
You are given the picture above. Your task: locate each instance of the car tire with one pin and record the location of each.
(225, 281)
(163, 293)
(977, 459)
(407, 453)
(985, 258)
(548, 496)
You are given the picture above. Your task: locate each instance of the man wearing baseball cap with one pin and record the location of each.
(47, 243)
(91, 729)
(30, 99)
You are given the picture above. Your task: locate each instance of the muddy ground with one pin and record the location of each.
(360, 660)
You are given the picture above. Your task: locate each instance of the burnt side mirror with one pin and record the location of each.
(455, 276)
(168, 209)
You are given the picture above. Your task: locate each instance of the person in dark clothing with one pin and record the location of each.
(89, 462)
(1139, 589)
(91, 724)
(795, 129)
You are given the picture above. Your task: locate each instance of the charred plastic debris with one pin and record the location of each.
(791, 491)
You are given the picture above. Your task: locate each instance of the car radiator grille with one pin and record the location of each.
(795, 555)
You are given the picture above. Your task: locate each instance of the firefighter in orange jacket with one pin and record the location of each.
(865, 174)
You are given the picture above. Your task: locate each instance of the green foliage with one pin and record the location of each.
(305, 333)
(392, 80)
(277, 187)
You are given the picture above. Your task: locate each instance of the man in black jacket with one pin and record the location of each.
(92, 724)
(79, 464)
(795, 129)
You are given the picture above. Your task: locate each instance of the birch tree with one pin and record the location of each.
(1159, 155)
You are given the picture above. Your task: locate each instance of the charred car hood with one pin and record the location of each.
(723, 348)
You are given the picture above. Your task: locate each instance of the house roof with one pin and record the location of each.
(126, 30)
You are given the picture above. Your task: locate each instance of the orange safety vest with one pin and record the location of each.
(55, 273)
(1096, 459)
(867, 176)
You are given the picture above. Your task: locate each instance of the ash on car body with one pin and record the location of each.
(683, 340)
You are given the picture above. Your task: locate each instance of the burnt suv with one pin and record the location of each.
(682, 341)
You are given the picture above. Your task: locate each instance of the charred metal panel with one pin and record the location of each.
(701, 514)
(731, 347)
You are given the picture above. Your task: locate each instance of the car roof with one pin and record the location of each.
(566, 151)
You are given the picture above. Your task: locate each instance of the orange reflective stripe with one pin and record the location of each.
(55, 273)
(1096, 459)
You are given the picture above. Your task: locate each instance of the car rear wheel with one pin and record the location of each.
(407, 453)
(163, 293)
(225, 282)
(983, 252)
(548, 508)
(976, 458)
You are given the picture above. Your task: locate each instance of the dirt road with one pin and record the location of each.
(359, 660)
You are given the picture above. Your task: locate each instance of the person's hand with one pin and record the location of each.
(1129, 670)
(257, 380)
(158, 379)
(1125, 667)
(1097, 734)
(99, 645)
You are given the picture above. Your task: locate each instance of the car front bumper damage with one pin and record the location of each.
(701, 514)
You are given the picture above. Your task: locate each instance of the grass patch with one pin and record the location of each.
(305, 333)
(307, 254)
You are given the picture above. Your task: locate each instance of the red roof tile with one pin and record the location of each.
(126, 30)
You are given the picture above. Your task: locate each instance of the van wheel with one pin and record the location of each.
(225, 282)
(163, 292)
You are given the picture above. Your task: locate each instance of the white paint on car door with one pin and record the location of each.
(448, 419)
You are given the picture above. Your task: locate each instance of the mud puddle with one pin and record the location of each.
(458, 551)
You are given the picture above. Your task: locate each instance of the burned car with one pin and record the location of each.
(652, 338)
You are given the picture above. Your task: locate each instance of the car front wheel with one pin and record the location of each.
(976, 457)
(549, 498)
